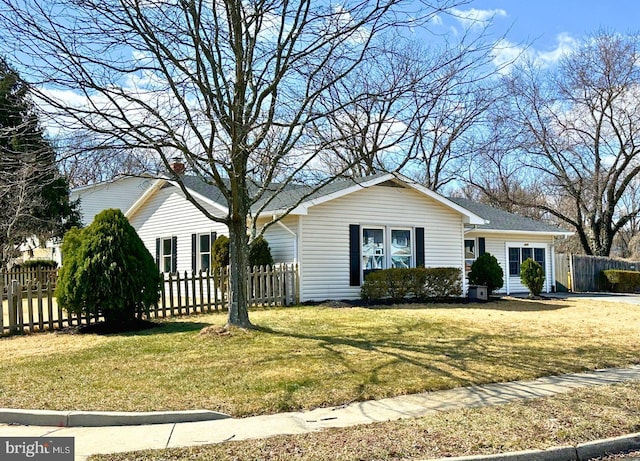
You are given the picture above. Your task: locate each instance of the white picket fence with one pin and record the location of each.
(28, 303)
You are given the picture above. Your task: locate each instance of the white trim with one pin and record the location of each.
(480, 230)
(146, 195)
(109, 181)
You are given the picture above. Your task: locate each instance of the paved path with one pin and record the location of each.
(111, 439)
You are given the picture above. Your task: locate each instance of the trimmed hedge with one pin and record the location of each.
(39, 263)
(620, 281)
(418, 283)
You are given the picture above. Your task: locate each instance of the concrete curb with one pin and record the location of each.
(581, 452)
(614, 445)
(103, 418)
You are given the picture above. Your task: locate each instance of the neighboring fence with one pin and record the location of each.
(585, 270)
(24, 276)
(28, 303)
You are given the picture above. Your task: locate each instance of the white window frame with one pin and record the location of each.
(386, 256)
(200, 253)
(164, 257)
(464, 254)
(412, 244)
(379, 254)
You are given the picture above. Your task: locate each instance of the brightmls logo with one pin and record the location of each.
(36, 448)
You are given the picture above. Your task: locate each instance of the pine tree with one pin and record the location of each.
(34, 197)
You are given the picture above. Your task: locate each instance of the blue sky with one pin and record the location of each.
(547, 24)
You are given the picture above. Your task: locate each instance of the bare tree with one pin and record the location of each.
(83, 161)
(233, 87)
(417, 106)
(573, 131)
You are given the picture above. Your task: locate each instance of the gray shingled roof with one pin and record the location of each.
(291, 195)
(503, 220)
(286, 198)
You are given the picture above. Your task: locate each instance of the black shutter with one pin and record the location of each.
(194, 252)
(354, 255)
(214, 236)
(174, 254)
(481, 247)
(419, 246)
(158, 263)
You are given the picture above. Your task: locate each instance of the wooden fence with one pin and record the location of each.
(584, 271)
(28, 303)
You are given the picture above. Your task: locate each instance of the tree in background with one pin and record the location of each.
(34, 196)
(568, 137)
(419, 110)
(107, 271)
(233, 87)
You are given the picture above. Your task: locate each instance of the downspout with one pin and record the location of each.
(295, 257)
(295, 240)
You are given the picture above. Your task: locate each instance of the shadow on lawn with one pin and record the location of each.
(498, 304)
(453, 357)
(145, 328)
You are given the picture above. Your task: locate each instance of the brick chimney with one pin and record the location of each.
(178, 166)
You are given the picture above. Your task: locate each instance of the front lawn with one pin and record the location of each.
(307, 357)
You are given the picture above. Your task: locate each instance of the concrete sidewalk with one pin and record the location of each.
(111, 439)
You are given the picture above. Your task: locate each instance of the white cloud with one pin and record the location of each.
(565, 44)
(506, 53)
(476, 18)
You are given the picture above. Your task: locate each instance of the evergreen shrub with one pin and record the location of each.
(532, 275)
(620, 281)
(220, 252)
(260, 252)
(487, 272)
(107, 271)
(419, 283)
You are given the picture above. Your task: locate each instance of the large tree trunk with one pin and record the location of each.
(239, 261)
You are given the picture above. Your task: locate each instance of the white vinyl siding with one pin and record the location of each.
(121, 193)
(324, 234)
(281, 241)
(168, 211)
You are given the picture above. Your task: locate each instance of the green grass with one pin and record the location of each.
(307, 357)
(568, 419)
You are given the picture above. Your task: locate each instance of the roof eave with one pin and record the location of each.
(522, 232)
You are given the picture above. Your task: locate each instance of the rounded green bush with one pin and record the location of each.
(486, 271)
(107, 270)
(220, 252)
(532, 275)
(260, 252)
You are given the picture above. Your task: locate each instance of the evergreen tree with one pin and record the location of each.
(107, 271)
(34, 197)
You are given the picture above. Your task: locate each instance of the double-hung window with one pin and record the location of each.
(401, 248)
(519, 255)
(167, 254)
(469, 254)
(383, 248)
(373, 249)
(204, 252)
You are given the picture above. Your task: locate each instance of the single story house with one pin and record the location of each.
(335, 235)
